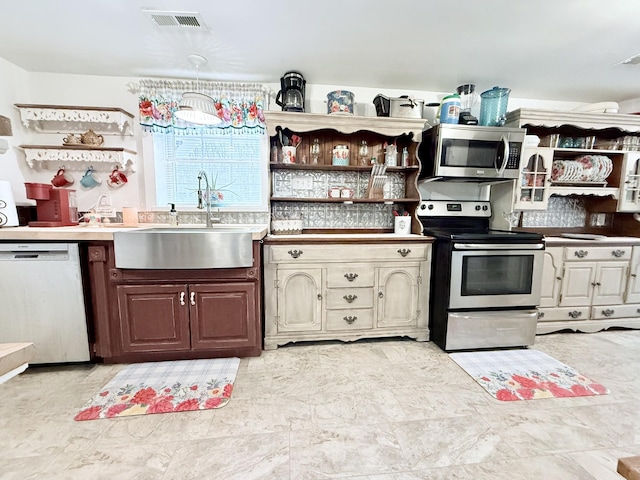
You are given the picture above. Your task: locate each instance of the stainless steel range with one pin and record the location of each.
(485, 283)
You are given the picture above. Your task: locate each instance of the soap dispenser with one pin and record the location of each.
(173, 215)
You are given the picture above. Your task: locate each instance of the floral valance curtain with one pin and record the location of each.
(240, 105)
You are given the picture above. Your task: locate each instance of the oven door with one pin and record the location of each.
(495, 275)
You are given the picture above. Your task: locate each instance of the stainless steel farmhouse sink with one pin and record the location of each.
(183, 248)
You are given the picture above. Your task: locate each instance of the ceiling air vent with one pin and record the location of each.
(161, 18)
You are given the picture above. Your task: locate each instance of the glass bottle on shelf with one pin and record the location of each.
(363, 153)
(315, 151)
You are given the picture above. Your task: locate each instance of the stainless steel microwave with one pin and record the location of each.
(471, 151)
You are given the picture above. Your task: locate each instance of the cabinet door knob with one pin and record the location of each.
(192, 298)
(608, 312)
(380, 294)
(575, 314)
(350, 298)
(540, 314)
(295, 253)
(596, 284)
(319, 296)
(350, 319)
(351, 276)
(617, 253)
(581, 253)
(182, 295)
(404, 251)
(634, 275)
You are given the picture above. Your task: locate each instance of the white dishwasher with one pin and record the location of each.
(42, 301)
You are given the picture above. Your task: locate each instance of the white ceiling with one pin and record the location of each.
(542, 49)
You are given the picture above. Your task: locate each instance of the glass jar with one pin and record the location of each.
(364, 153)
(340, 155)
(315, 151)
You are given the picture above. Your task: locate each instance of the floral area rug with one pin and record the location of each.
(163, 387)
(525, 374)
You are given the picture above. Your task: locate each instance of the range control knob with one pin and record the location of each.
(423, 207)
(485, 208)
(478, 208)
(430, 207)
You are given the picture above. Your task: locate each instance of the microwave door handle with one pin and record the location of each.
(505, 155)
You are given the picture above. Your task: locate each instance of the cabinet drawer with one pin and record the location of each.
(338, 298)
(563, 313)
(615, 311)
(597, 253)
(350, 276)
(303, 253)
(353, 319)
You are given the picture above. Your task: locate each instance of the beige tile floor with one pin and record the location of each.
(376, 410)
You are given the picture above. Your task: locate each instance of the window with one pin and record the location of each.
(234, 155)
(235, 164)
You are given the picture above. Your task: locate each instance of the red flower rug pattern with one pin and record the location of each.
(525, 374)
(163, 387)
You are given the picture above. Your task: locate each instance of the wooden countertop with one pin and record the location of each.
(90, 232)
(347, 238)
(600, 242)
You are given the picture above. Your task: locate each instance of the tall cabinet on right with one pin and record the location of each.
(582, 179)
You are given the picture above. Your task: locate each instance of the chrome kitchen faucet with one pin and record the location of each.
(207, 195)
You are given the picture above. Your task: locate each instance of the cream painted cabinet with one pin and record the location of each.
(551, 277)
(337, 291)
(597, 289)
(397, 295)
(633, 282)
(532, 192)
(629, 200)
(300, 299)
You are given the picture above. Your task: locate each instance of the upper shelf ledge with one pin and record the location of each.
(556, 118)
(73, 119)
(306, 122)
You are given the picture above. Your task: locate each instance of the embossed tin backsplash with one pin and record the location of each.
(316, 184)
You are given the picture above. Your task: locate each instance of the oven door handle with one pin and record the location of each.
(505, 155)
(500, 246)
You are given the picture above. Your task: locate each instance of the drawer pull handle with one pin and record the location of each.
(617, 253)
(581, 253)
(350, 319)
(182, 295)
(608, 312)
(350, 298)
(295, 253)
(575, 314)
(540, 314)
(404, 251)
(638, 310)
(192, 298)
(634, 275)
(351, 276)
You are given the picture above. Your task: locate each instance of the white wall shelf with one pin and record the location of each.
(43, 155)
(76, 119)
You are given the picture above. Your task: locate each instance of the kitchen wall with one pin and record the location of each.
(20, 86)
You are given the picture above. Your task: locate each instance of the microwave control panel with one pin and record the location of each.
(513, 162)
